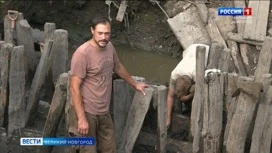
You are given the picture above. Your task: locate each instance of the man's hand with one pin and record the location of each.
(83, 126)
(141, 87)
(168, 122)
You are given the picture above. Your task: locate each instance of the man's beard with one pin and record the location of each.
(97, 42)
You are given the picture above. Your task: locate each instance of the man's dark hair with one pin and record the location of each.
(99, 20)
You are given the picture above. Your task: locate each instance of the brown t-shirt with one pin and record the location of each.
(95, 67)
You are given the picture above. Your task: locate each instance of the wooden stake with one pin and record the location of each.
(197, 105)
(137, 112)
(17, 84)
(6, 50)
(34, 94)
(56, 110)
(162, 129)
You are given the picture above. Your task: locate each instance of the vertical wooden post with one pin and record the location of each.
(236, 56)
(231, 104)
(197, 105)
(135, 119)
(214, 55)
(17, 83)
(162, 129)
(261, 137)
(55, 111)
(12, 34)
(122, 99)
(240, 123)
(264, 62)
(60, 54)
(256, 26)
(49, 29)
(24, 38)
(224, 60)
(6, 50)
(213, 113)
(37, 82)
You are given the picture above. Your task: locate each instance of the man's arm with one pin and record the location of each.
(123, 73)
(170, 100)
(83, 125)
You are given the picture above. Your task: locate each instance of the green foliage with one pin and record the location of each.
(2, 1)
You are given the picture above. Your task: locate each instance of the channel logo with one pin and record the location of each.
(234, 11)
(57, 141)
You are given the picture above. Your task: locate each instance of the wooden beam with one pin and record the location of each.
(240, 123)
(11, 34)
(203, 11)
(236, 56)
(6, 50)
(265, 58)
(60, 54)
(224, 60)
(192, 30)
(213, 113)
(240, 25)
(238, 38)
(214, 55)
(24, 37)
(214, 32)
(56, 110)
(49, 29)
(256, 25)
(231, 104)
(121, 11)
(122, 98)
(162, 129)
(262, 136)
(17, 84)
(197, 105)
(34, 94)
(137, 112)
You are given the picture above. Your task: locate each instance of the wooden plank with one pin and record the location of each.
(60, 54)
(1, 42)
(238, 38)
(137, 112)
(261, 137)
(55, 111)
(6, 50)
(240, 123)
(173, 145)
(213, 113)
(231, 104)
(24, 38)
(214, 32)
(162, 129)
(49, 29)
(240, 25)
(192, 30)
(17, 83)
(236, 56)
(224, 60)
(11, 34)
(121, 11)
(203, 11)
(197, 105)
(34, 94)
(265, 57)
(257, 28)
(122, 98)
(214, 55)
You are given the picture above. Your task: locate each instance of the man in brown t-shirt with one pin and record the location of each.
(92, 66)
